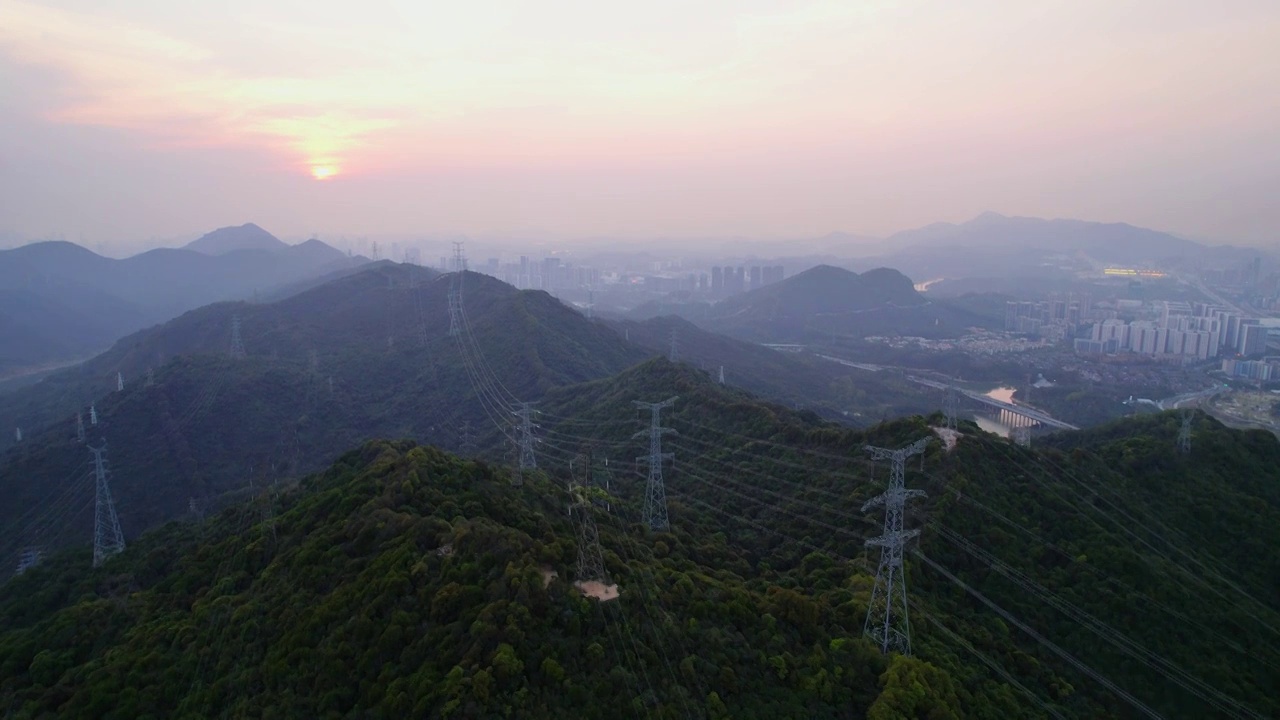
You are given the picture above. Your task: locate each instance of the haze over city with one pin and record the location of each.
(147, 122)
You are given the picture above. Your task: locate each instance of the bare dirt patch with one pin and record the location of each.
(547, 576)
(949, 437)
(597, 589)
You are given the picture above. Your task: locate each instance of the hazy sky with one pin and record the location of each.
(153, 118)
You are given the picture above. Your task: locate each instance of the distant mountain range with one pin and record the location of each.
(1113, 242)
(60, 301)
(827, 302)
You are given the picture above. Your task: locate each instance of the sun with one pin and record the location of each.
(323, 172)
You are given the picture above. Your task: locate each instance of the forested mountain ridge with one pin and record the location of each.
(405, 581)
(825, 304)
(365, 356)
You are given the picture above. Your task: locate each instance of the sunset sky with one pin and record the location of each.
(140, 119)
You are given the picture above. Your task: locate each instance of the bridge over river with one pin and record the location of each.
(1018, 415)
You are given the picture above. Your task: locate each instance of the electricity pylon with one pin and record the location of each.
(1022, 436)
(29, 558)
(721, 374)
(950, 407)
(1184, 434)
(674, 354)
(466, 442)
(454, 328)
(581, 491)
(887, 621)
(151, 378)
(107, 538)
(528, 460)
(79, 426)
(237, 345)
(93, 415)
(119, 382)
(655, 493)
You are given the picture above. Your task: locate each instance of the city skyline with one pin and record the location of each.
(759, 119)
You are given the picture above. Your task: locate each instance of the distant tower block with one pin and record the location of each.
(237, 345)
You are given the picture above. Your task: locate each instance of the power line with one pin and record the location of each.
(1135, 702)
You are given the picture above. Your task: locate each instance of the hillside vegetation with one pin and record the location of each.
(402, 580)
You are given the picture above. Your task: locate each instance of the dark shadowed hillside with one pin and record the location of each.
(365, 356)
(848, 395)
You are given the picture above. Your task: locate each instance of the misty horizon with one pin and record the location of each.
(851, 244)
(758, 120)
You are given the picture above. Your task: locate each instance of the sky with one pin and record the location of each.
(141, 121)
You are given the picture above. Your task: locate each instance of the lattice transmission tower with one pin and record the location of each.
(237, 345)
(455, 290)
(951, 407)
(1021, 436)
(655, 493)
(29, 558)
(1184, 433)
(528, 459)
(674, 353)
(887, 621)
(107, 538)
(581, 507)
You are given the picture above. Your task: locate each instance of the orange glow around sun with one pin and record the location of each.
(323, 172)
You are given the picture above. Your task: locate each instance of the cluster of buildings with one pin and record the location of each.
(553, 274)
(726, 281)
(1182, 333)
(1267, 368)
(550, 274)
(1053, 320)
